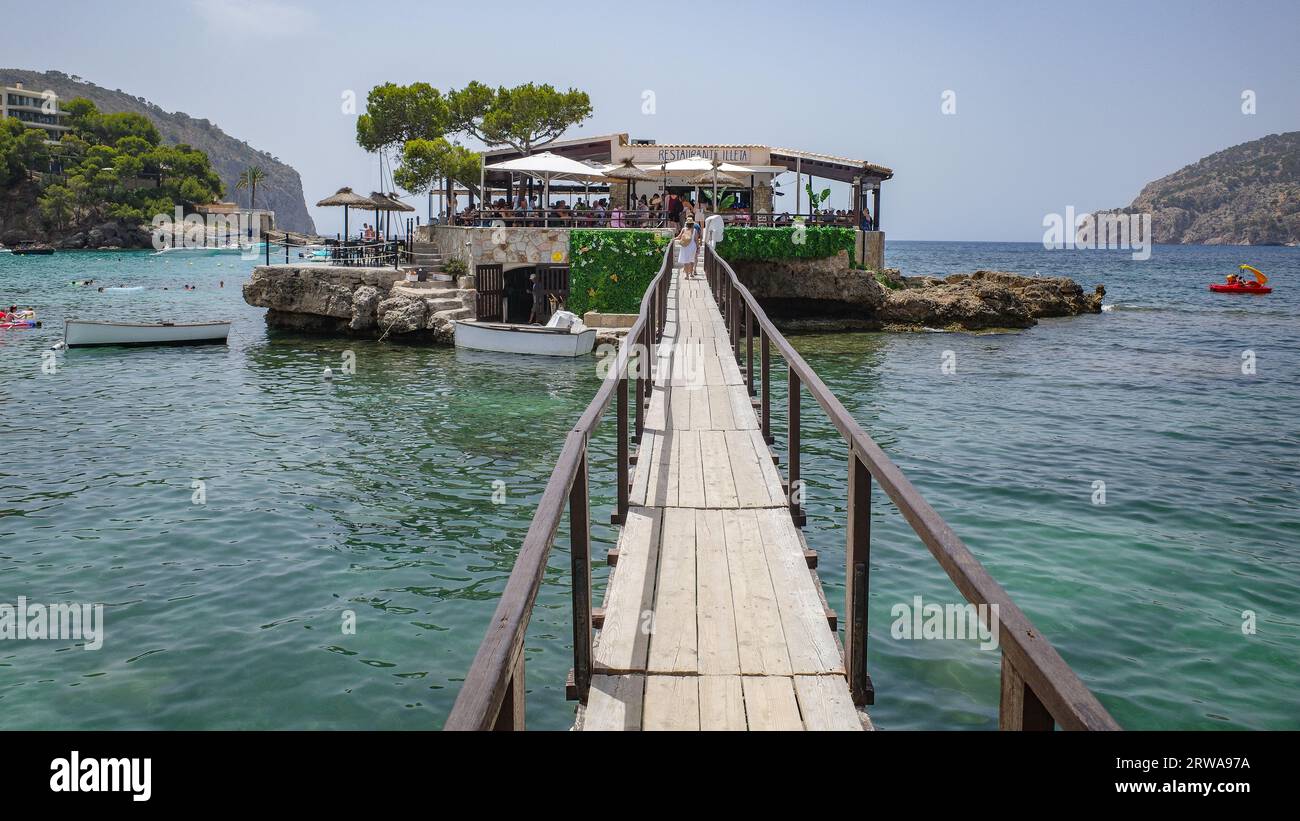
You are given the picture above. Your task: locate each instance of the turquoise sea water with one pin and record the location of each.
(374, 494)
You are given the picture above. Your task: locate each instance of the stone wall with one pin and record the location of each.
(811, 287)
(503, 245)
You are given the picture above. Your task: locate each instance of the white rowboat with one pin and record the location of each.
(524, 339)
(85, 333)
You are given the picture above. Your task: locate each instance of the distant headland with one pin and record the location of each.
(1245, 195)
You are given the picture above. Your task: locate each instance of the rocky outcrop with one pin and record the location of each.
(983, 300)
(365, 307)
(109, 235)
(828, 287)
(362, 302)
(827, 295)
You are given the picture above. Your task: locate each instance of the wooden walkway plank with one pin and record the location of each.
(671, 703)
(716, 612)
(760, 639)
(690, 470)
(673, 631)
(722, 703)
(615, 703)
(770, 703)
(826, 703)
(719, 483)
(751, 490)
(624, 642)
(812, 647)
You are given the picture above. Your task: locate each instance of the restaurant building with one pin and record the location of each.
(757, 199)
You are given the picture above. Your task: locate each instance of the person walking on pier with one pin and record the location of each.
(686, 249)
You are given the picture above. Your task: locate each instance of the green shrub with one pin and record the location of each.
(455, 266)
(819, 241)
(609, 271)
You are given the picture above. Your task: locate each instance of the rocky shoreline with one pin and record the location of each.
(378, 303)
(358, 302)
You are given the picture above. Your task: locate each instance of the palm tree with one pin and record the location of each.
(249, 179)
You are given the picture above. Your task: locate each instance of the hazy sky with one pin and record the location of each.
(1057, 104)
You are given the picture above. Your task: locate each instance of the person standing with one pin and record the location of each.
(686, 249)
(538, 313)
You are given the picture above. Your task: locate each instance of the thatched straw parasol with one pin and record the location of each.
(722, 179)
(347, 198)
(628, 172)
(387, 203)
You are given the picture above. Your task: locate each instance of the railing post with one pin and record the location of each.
(735, 318)
(620, 515)
(1020, 708)
(749, 346)
(642, 355)
(652, 337)
(857, 574)
(580, 562)
(794, 491)
(266, 240)
(511, 714)
(765, 357)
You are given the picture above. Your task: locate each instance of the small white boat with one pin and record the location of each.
(564, 335)
(86, 333)
(200, 250)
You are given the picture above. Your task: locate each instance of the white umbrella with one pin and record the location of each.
(547, 166)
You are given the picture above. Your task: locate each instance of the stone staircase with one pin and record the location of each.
(426, 255)
(426, 306)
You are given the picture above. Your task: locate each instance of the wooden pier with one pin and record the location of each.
(714, 617)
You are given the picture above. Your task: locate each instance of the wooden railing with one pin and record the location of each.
(1039, 690)
(492, 697)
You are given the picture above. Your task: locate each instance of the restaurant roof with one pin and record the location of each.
(600, 147)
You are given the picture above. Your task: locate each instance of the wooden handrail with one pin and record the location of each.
(492, 695)
(1038, 687)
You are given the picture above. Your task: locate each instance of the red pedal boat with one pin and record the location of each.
(1237, 285)
(1252, 288)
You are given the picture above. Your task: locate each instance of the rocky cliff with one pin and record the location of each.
(1245, 195)
(280, 192)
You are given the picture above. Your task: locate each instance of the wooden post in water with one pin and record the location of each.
(620, 515)
(580, 563)
(640, 383)
(511, 715)
(792, 446)
(650, 337)
(749, 345)
(735, 318)
(1020, 708)
(765, 355)
(856, 580)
